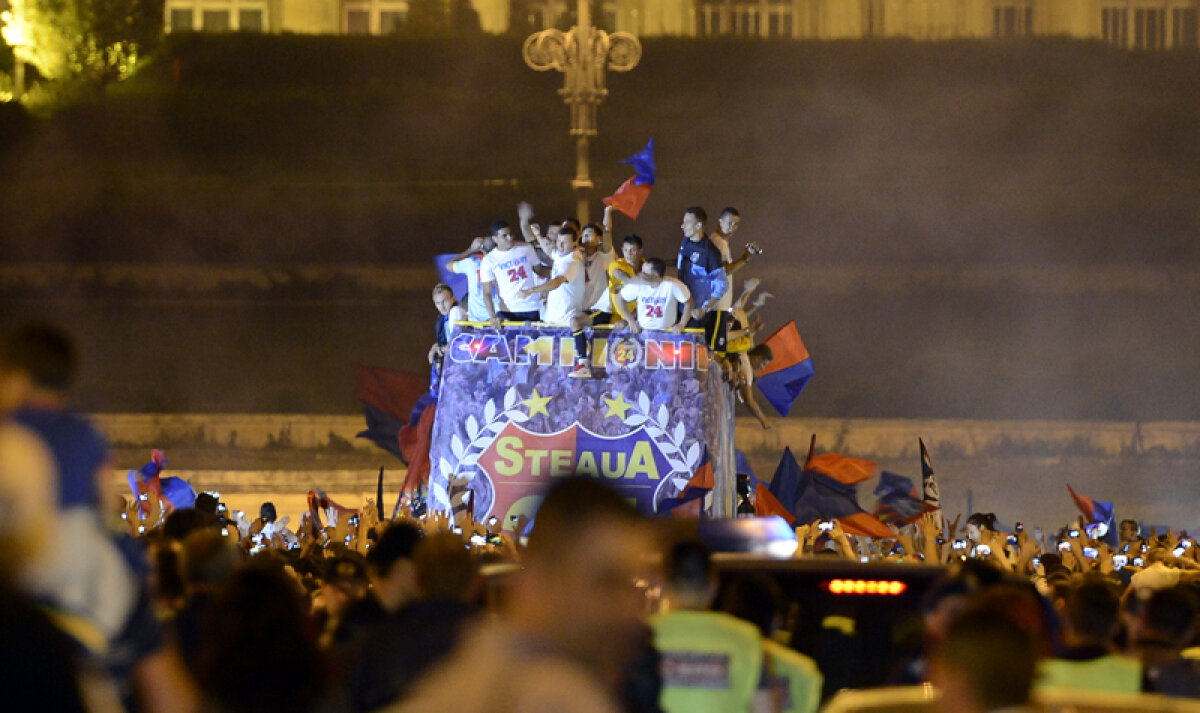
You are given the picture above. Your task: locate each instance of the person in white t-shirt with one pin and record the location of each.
(658, 300)
(510, 268)
(565, 292)
(467, 263)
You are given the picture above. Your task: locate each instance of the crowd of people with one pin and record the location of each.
(113, 603)
(567, 275)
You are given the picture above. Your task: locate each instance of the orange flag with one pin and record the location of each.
(844, 469)
(766, 504)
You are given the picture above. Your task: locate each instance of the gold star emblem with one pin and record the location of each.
(536, 403)
(617, 407)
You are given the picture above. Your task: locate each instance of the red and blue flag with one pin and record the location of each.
(825, 489)
(782, 380)
(1093, 510)
(148, 479)
(399, 410)
(897, 499)
(632, 194)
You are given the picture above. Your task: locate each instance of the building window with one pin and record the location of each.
(1114, 24)
(216, 21)
(1012, 19)
(1184, 27)
(605, 15)
(391, 21)
(779, 23)
(250, 20)
(358, 22)
(745, 20)
(714, 24)
(182, 21)
(1148, 28)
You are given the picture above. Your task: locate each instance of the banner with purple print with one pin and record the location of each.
(509, 420)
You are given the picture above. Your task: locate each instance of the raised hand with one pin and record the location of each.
(524, 211)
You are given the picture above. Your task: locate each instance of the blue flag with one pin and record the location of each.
(178, 492)
(898, 499)
(643, 165)
(785, 484)
(457, 281)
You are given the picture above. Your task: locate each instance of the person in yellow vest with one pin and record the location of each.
(710, 662)
(756, 598)
(1090, 660)
(622, 270)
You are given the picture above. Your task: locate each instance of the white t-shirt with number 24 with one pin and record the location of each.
(657, 305)
(512, 271)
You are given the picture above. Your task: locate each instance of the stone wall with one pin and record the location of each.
(1017, 469)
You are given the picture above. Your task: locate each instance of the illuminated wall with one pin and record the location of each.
(1131, 24)
(218, 15)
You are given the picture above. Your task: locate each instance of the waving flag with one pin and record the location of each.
(779, 497)
(825, 498)
(632, 194)
(643, 165)
(929, 485)
(785, 484)
(177, 491)
(825, 489)
(898, 500)
(394, 402)
(148, 480)
(456, 280)
(782, 380)
(766, 505)
(1093, 510)
(844, 469)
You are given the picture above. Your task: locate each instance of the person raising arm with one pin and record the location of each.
(510, 268)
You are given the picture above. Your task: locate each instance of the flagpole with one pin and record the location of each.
(582, 54)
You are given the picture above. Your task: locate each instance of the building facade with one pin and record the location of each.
(1131, 24)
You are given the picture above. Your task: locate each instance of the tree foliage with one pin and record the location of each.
(95, 41)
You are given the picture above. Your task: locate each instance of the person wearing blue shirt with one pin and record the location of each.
(701, 268)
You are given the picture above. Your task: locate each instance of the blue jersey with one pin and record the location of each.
(78, 448)
(701, 268)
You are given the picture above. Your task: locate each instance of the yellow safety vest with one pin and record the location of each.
(799, 674)
(711, 662)
(1113, 673)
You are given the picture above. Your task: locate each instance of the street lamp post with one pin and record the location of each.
(582, 54)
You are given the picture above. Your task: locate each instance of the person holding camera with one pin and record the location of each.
(727, 225)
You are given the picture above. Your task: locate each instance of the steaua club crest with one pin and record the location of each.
(624, 351)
